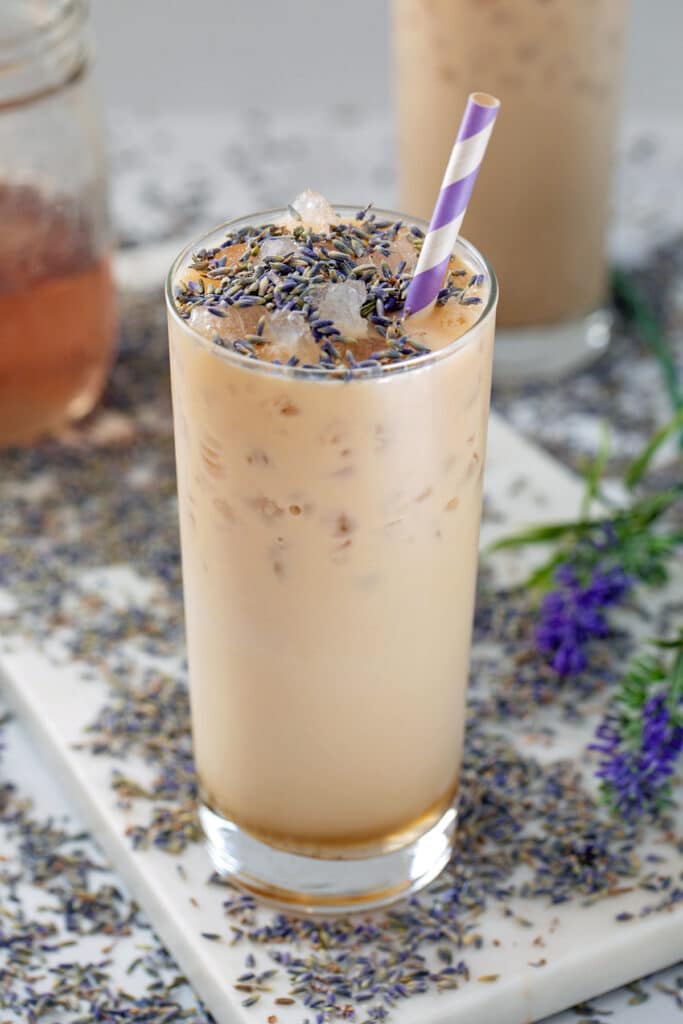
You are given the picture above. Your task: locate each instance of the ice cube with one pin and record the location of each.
(341, 303)
(232, 323)
(277, 245)
(314, 210)
(288, 334)
(402, 250)
(287, 327)
(205, 323)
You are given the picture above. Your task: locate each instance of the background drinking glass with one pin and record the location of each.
(56, 299)
(543, 195)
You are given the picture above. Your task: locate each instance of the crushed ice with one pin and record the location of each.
(314, 210)
(288, 328)
(341, 303)
(276, 246)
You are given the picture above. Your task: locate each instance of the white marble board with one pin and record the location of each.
(586, 951)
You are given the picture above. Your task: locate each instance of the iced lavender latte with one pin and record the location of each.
(542, 199)
(330, 455)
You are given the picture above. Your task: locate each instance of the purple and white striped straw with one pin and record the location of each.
(451, 205)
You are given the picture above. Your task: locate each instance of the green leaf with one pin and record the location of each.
(646, 510)
(542, 577)
(595, 471)
(644, 320)
(647, 674)
(675, 702)
(639, 466)
(676, 642)
(542, 534)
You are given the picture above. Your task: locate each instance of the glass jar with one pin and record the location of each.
(57, 320)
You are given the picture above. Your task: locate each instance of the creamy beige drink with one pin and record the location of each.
(542, 195)
(329, 520)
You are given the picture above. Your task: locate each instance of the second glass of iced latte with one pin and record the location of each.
(329, 512)
(540, 211)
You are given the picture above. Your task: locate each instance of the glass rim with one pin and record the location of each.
(41, 56)
(319, 374)
(59, 19)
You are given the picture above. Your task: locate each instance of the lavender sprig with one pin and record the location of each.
(628, 536)
(594, 567)
(596, 563)
(641, 737)
(574, 613)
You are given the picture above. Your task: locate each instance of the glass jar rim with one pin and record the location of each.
(44, 52)
(319, 374)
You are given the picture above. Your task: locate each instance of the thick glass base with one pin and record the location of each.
(525, 355)
(316, 885)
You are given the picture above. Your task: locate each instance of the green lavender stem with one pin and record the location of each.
(641, 315)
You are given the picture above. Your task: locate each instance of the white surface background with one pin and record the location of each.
(231, 54)
(585, 949)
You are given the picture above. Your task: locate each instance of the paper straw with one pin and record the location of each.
(461, 173)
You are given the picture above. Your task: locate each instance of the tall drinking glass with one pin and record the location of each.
(329, 534)
(540, 209)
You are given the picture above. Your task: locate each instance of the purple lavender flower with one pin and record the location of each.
(572, 615)
(639, 779)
